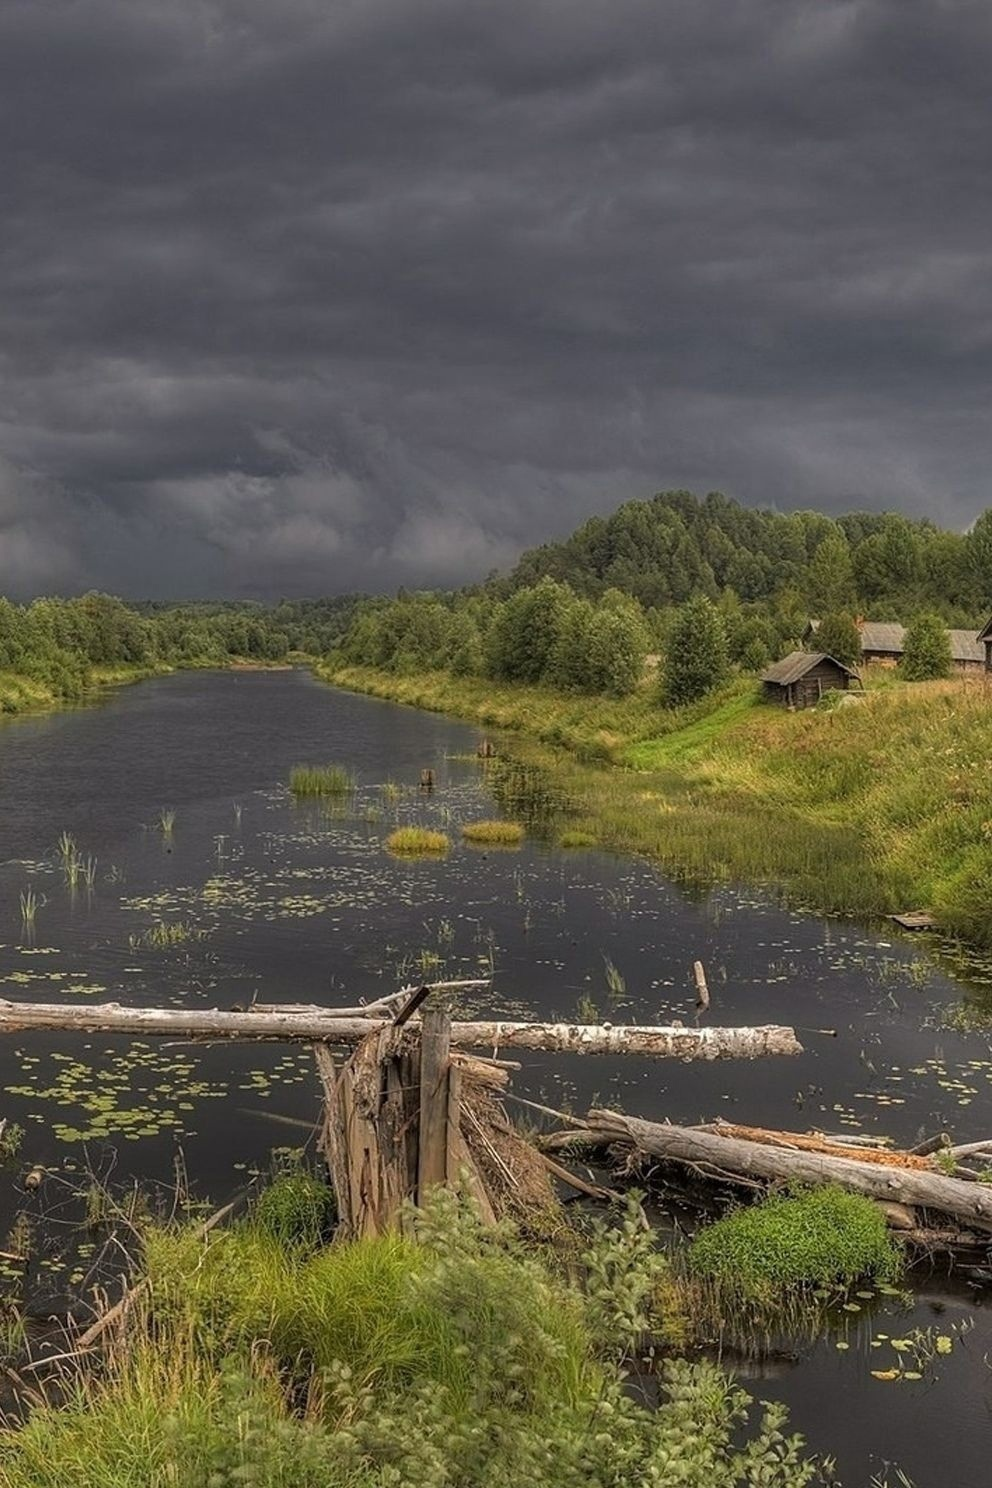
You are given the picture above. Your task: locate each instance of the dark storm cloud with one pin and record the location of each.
(309, 296)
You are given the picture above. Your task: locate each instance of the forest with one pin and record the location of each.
(657, 575)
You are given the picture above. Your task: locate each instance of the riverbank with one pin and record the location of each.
(871, 808)
(21, 695)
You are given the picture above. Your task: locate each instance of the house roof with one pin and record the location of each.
(966, 646)
(878, 635)
(888, 639)
(797, 664)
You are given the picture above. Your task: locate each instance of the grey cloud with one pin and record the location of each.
(303, 297)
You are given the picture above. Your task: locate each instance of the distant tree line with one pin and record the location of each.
(708, 585)
(60, 642)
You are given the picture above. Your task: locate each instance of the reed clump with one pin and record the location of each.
(417, 842)
(494, 833)
(320, 780)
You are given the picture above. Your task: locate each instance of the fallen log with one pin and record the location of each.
(326, 1027)
(969, 1203)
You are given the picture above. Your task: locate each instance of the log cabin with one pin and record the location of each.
(985, 639)
(800, 679)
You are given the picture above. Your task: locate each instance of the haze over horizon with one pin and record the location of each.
(306, 298)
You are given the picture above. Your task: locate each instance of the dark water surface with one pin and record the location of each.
(297, 903)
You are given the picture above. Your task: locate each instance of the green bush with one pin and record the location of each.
(789, 1243)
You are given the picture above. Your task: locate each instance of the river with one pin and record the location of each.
(287, 902)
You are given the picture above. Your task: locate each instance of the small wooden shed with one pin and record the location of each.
(800, 679)
(985, 639)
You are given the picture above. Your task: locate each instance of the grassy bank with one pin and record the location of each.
(882, 805)
(449, 1356)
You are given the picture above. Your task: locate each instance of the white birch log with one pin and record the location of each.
(325, 1027)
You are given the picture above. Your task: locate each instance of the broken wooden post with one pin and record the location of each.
(427, 781)
(702, 991)
(435, 1049)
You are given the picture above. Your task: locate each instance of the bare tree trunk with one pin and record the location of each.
(325, 1027)
(970, 1203)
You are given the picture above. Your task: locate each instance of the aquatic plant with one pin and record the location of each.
(576, 838)
(65, 847)
(320, 780)
(165, 934)
(88, 867)
(391, 792)
(11, 1137)
(296, 1209)
(417, 842)
(494, 833)
(238, 810)
(789, 1243)
(616, 984)
(29, 906)
(586, 1010)
(166, 821)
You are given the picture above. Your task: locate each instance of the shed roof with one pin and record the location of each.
(966, 646)
(879, 635)
(986, 634)
(797, 664)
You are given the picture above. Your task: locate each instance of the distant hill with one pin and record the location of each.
(881, 565)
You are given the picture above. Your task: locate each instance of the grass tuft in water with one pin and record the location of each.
(167, 821)
(494, 833)
(165, 934)
(29, 906)
(792, 1244)
(416, 842)
(320, 780)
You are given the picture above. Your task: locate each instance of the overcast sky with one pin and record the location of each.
(307, 295)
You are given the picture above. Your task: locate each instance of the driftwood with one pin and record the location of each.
(325, 1026)
(970, 1204)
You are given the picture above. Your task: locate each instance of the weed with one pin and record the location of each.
(29, 907)
(616, 985)
(320, 780)
(586, 1010)
(167, 821)
(494, 833)
(296, 1209)
(576, 838)
(417, 842)
(166, 934)
(794, 1243)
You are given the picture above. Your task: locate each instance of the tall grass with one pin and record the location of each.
(415, 842)
(494, 833)
(450, 1354)
(167, 821)
(320, 780)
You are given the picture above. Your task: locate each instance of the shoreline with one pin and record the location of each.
(849, 812)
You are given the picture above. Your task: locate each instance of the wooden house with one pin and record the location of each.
(883, 644)
(985, 639)
(800, 679)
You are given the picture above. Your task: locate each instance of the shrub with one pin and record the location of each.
(696, 659)
(416, 842)
(927, 649)
(576, 838)
(791, 1243)
(494, 833)
(320, 780)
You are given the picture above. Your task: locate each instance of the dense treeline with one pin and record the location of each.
(59, 644)
(707, 584)
(882, 565)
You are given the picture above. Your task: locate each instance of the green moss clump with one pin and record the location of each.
(794, 1243)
